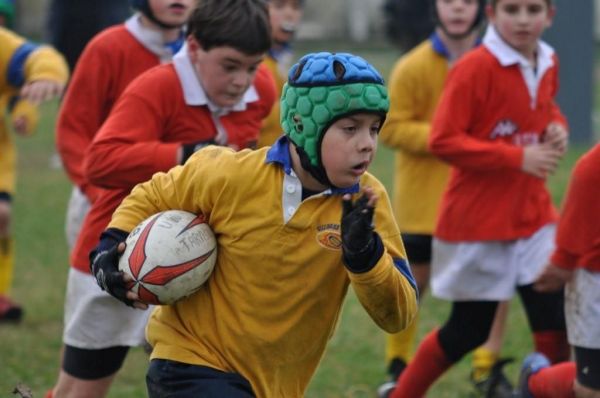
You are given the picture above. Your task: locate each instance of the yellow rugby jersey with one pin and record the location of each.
(271, 129)
(276, 293)
(21, 62)
(415, 85)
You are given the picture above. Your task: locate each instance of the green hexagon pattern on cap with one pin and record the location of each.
(317, 94)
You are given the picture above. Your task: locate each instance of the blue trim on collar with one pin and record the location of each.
(438, 45)
(440, 48)
(176, 44)
(280, 153)
(15, 74)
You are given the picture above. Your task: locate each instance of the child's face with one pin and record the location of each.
(521, 22)
(348, 148)
(285, 15)
(457, 16)
(172, 12)
(225, 72)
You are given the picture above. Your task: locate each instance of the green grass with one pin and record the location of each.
(29, 353)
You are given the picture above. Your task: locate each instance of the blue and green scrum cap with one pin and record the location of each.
(321, 89)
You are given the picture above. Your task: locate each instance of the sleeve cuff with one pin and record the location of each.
(365, 262)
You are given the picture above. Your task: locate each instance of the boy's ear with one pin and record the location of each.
(550, 16)
(489, 12)
(193, 47)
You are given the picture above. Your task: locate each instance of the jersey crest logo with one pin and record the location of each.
(504, 128)
(329, 237)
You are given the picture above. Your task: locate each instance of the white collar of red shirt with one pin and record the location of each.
(152, 40)
(193, 91)
(507, 55)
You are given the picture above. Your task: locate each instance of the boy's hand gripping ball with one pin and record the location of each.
(169, 256)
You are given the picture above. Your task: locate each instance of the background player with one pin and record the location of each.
(31, 74)
(576, 263)
(108, 64)
(499, 127)
(285, 16)
(415, 84)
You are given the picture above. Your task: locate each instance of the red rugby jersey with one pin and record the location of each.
(578, 234)
(111, 60)
(142, 135)
(485, 117)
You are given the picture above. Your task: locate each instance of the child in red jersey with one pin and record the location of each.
(415, 84)
(111, 60)
(576, 263)
(212, 92)
(498, 126)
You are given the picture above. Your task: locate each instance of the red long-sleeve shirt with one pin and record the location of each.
(147, 126)
(107, 65)
(485, 117)
(578, 234)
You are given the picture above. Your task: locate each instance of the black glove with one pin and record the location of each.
(361, 246)
(104, 264)
(357, 225)
(189, 149)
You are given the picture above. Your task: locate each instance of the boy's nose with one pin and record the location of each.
(522, 17)
(241, 79)
(367, 142)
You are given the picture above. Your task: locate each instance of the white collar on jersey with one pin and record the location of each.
(507, 55)
(193, 91)
(151, 39)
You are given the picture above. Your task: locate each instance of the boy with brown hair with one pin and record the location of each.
(498, 126)
(109, 62)
(213, 91)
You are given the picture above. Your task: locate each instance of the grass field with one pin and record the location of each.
(29, 353)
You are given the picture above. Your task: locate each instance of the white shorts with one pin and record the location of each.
(77, 209)
(582, 309)
(94, 319)
(488, 271)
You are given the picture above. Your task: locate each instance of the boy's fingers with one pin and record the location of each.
(346, 204)
(362, 202)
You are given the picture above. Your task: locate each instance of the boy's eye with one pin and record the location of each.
(534, 9)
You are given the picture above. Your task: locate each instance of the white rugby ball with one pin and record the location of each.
(169, 255)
